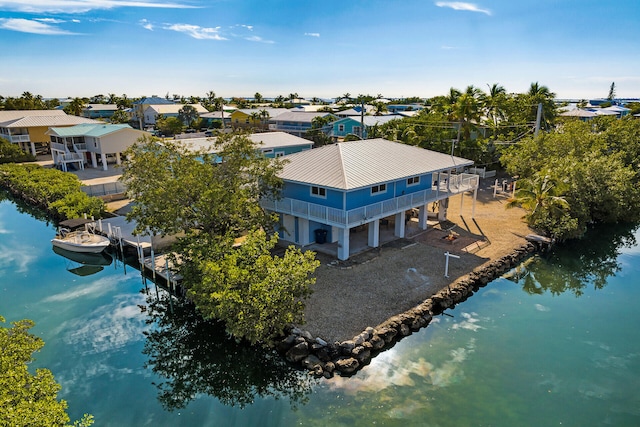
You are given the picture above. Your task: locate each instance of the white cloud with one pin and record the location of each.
(18, 258)
(49, 20)
(259, 40)
(146, 24)
(33, 27)
(459, 5)
(82, 6)
(196, 31)
(312, 34)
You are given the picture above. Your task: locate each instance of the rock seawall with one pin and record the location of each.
(344, 358)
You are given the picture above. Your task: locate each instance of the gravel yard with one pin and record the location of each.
(375, 285)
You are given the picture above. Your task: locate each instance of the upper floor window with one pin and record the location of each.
(318, 191)
(413, 180)
(381, 188)
(281, 154)
(340, 128)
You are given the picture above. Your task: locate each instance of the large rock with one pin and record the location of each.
(347, 365)
(311, 361)
(362, 354)
(298, 352)
(377, 342)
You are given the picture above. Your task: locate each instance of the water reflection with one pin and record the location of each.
(83, 264)
(194, 356)
(574, 265)
(23, 207)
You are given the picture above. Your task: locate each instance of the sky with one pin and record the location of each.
(317, 48)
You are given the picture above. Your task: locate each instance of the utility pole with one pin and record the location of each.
(538, 120)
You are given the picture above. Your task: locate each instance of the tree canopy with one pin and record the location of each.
(210, 199)
(594, 166)
(28, 399)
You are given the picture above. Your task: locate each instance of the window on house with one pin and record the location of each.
(356, 130)
(318, 191)
(381, 188)
(413, 180)
(267, 150)
(280, 154)
(340, 128)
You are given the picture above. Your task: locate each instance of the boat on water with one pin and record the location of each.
(80, 241)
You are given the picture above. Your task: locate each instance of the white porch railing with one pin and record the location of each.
(447, 186)
(20, 138)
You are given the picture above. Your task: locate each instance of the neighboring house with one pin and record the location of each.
(28, 127)
(91, 142)
(139, 106)
(152, 112)
(271, 144)
(255, 117)
(353, 125)
(332, 189)
(356, 111)
(396, 108)
(211, 117)
(296, 122)
(99, 111)
(579, 113)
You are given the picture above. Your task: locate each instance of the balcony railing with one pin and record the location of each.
(447, 186)
(20, 138)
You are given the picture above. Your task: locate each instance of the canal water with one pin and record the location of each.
(556, 343)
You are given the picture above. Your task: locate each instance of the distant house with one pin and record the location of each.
(353, 125)
(139, 106)
(28, 128)
(296, 122)
(332, 190)
(152, 112)
(255, 117)
(91, 142)
(99, 111)
(355, 111)
(271, 144)
(396, 108)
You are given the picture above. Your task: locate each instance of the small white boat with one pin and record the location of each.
(80, 241)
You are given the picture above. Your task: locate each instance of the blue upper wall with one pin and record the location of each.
(356, 198)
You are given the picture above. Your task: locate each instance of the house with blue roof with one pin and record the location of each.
(354, 125)
(332, 191)
(91, 142)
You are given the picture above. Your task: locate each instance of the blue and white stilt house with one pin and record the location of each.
(330, 190)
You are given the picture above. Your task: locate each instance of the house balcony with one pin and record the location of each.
(289, 128)
(447, 186)
(19, 138)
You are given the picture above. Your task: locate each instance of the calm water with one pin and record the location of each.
(558, 344)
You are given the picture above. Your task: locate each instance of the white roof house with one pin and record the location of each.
(152, 112)
(363, 183)
(355, 164)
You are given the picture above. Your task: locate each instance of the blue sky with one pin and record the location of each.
(323, 48)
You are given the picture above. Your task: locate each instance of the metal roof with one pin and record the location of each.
(355, 164)
(300, 116)
(47, 121)
(89, 129)
(264, 140)
(175, 108)
(12, 115)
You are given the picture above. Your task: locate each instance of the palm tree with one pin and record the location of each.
(257, 98)
(541, 95)
(264, 118)
(76, 106)
(188, 114)
(540, 196)
(493, 105)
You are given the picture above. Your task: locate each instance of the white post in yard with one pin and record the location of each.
(495, 189)
(513, 194)
(446, 263)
